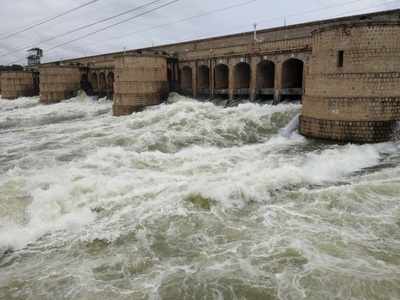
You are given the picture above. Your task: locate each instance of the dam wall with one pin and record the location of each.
(15, 84)
(59, 82)
(238, 65)
(345, 70)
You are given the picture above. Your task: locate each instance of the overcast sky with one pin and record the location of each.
(18, 14)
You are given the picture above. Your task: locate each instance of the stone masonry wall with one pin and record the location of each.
(16, 84)
(140, 81)
(353, 88)
(58, 83)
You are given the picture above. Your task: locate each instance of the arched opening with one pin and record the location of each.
(169, 74)
(266, 80)
(170, 77)
(292, 78)
(242, 76)
(204, 80)
(94, 82)
(110, 85)
(266, 75)
(86, 85)
(84, 77)
(186, 80)
(221, 80)
(102, 85)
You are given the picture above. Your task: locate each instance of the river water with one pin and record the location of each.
(189, 200)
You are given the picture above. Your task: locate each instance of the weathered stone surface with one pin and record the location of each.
(353, 86)
(347, 131)
(140, 81)
(16, 84)
(58, 83)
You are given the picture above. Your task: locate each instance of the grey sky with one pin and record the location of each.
(17, 14)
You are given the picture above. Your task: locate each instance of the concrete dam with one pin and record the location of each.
(345, 70)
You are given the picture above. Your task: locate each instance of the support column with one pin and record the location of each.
(231, 81)
(305, 73)
(173, 77)
(176, 77)
(253, 78)
(179, 78)
(211, 78)
(194, 78)
(278, 83)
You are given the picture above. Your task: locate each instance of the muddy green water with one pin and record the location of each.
(191, 201)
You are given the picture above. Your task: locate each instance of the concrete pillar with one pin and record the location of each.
(140, 81)
(179, 82)
(231, 81)
(194, 78)
(17, 84)
(278, 83)
(253, 78)
(176, 79)
(58, 83)
(306, 71)
(212, 78)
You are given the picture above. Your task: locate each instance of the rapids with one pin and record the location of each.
(190, 200)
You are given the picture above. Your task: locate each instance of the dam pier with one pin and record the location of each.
(346, 71)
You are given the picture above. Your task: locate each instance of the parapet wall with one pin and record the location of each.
(58, 83)
(16, 84)
(353, 87)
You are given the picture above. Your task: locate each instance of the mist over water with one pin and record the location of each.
(190, 200)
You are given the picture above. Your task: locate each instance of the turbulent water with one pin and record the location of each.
(190, 200)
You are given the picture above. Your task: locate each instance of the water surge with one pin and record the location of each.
(189, 200)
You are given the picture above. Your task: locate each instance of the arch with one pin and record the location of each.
(110, 80)
(102, 83)
(186, 79)
(170, 78)
(292, 74)
(169, 74)
(242, 74)
(265, 75)
(221, 78)
(86, 85)
(84, 77)
(94, 82)
(204, 77)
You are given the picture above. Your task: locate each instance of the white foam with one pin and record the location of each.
(292, 126)
(145, 164)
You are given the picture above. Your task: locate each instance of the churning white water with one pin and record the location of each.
(189, 200)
